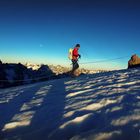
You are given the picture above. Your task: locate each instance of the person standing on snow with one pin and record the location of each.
(75, 56)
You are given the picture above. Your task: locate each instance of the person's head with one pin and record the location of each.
(77, 46)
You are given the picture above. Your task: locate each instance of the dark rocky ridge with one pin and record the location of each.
(19, 74)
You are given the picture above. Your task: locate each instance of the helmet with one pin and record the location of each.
(77, 45)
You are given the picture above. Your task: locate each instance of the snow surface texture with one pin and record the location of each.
(102, 106)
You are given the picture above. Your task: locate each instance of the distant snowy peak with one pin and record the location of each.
(32, 66)
(58, 69)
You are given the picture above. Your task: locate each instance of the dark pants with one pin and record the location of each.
(75, 66)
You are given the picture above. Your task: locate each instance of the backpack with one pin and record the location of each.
(70, 53)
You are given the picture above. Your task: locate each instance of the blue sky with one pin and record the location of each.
(42, 31)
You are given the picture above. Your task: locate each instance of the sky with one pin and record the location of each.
(42, 31)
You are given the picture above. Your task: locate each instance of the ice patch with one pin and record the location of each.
(96, 106)
(79, 92)
(107, 136)
(76, 120)
(69, 114)
(14, 125)
(124, 120)
(19, 120)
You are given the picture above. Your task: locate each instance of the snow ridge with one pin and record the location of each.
(104, 106)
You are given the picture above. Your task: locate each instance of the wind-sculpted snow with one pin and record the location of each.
(103, 106)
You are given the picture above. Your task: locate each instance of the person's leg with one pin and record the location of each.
(75, 66)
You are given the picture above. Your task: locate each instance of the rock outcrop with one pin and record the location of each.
(134, 61)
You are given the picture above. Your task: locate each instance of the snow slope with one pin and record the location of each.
(103, 106)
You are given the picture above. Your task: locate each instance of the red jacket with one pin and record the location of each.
(75, 54)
